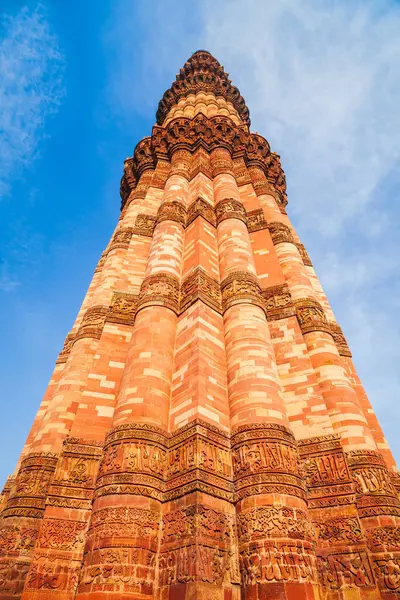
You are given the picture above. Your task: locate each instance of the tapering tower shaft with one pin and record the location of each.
(204, 434)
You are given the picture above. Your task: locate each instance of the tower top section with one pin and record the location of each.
(202, 73)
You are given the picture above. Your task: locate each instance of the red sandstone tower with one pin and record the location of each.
(204, 435)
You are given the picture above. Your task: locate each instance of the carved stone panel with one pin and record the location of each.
(162, 290)
(144, 225)
(280, 233)
(201, 208)
(200, 286)
(311, 316)
(68, 343)
(92, 323)
(240, 287)
(122, 308)
(278, 302)
(256, 220)
(265, 460)
(339, 339)
(172, 211)
(122, 238)
(229, 208)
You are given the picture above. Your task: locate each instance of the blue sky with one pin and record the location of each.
(80, 83)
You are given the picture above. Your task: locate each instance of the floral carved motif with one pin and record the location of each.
(196, 520)
(60, 534)
(124, 521)
(18, 540)
(229, 208)
(273, 521)
(381, 538)
(341, 530)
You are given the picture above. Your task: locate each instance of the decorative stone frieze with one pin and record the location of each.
(339, 339)
(240, 287)
(311, 316)
(280, 233)
(161, 290)
(256, 220)
(144, 225)
(172, 211)
(92, 323)
(229, 208)
(278, 302)
(200, 286)
(201, 208)
(122, 238)
(65, 352)
(122, 308)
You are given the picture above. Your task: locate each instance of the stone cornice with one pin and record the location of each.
(209, 134)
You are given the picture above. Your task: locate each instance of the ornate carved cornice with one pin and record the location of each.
(201, 208)
(240, 287)
(229, 208)
(280, 233)
(311, 316)
(199, 135)
(278, 302)
(202, 73)
(200, 286)
(159, 290)
(172, 211)
(256, 220)
(339, 339)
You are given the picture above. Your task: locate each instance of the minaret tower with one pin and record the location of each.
(204, 435)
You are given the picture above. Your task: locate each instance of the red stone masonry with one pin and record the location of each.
(204, 434)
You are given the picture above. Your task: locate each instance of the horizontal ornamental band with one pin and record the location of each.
(229, 208)
(256, 458)
(238, 288)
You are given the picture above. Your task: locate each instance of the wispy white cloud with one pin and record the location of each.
(31, 67)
